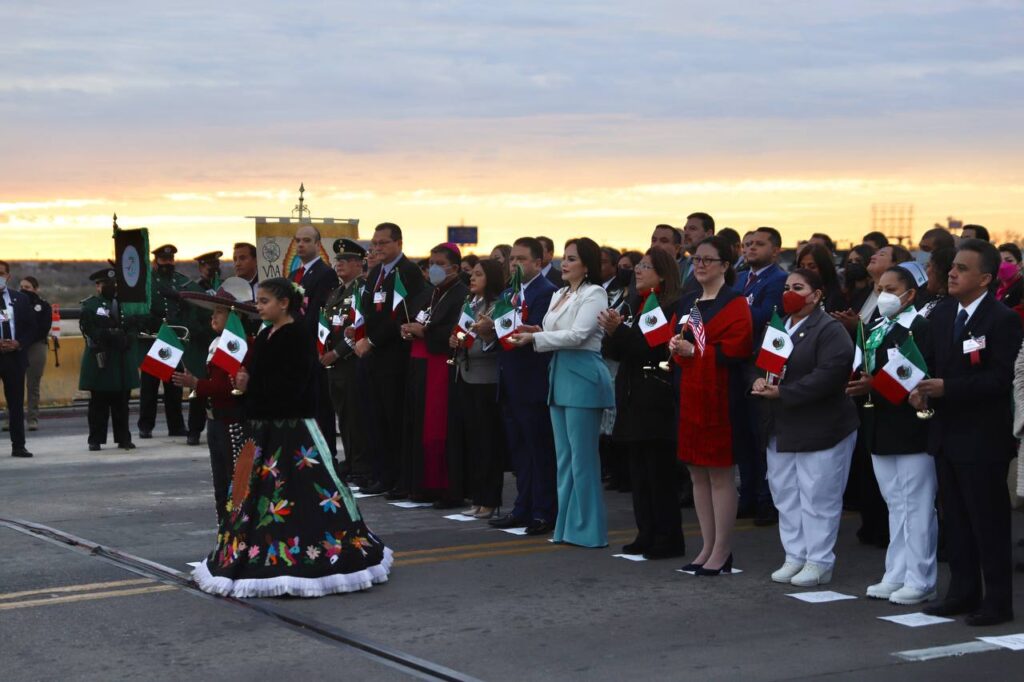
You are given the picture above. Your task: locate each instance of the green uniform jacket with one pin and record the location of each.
(179, 313)
(118, 340)
(339, 304)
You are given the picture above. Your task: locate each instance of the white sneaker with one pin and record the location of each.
(786, 572)
(883, 590)
(812, 575)
(907, 596)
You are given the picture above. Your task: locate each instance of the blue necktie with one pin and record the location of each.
(959, 325)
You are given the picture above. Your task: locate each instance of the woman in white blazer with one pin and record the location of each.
(580, 390)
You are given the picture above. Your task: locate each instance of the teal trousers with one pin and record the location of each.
(582, 519)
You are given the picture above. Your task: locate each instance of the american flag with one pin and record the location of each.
(696, 325)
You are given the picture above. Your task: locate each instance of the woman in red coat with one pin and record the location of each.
(712, 351)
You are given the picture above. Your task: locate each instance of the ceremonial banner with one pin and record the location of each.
(131, 267)
(275, 242)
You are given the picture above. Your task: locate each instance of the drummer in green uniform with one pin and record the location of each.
(167, 305)
(340, 359)
(110, 362)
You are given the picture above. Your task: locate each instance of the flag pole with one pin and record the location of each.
(235, 391)
(868, 404)
(925, 412)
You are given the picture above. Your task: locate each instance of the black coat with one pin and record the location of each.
(644, 397)
(281, 373)
(445, 310)
(319, 281)
(383, 329)
(813, 411)
(974, 419)
(895, 429)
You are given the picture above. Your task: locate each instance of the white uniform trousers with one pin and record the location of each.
(908, 484)
(807, 488)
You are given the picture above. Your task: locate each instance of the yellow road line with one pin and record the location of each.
(86, 597)
(75, 588)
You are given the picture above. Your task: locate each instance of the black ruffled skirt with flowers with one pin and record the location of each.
(292, 526)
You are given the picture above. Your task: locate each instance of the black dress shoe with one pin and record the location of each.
(127, 445)
(507, 521)
(950, 607)
(708, 572)
(635, 547)
(664, 552)
(192, 439)
(376, 489)
(984, 618)
(538, 527)
(94, 447)
(396, 495)
(691, 567)
(145, 434)
(20, 452)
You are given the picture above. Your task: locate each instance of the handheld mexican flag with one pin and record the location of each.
(323, 330)
(165, 354)
(902, 373)
(400, 292)
(358, 321)
(655, 327)
(505, 321)
(776, 347)
(518, 293)
(465, 325)
(231, 346)
(858, 349)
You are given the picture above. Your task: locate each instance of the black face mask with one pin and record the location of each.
(108, 290)
(165, 270)
(855, 272)
(623, 277)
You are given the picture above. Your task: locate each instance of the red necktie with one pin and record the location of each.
(751, 279)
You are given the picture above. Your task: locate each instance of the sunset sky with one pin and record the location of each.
(560, 118)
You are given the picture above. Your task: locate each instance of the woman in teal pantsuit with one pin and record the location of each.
(580, 389)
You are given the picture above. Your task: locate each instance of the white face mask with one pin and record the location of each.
(889, 304)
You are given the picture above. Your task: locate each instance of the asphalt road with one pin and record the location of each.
(481, 602)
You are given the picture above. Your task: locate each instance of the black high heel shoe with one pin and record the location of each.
(692, 567)
(726, 568)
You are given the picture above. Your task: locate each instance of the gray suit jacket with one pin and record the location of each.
(813, 411)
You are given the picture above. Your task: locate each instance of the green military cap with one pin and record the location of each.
(212, 257)
(165, 251)
(103, 275)
(348, 249)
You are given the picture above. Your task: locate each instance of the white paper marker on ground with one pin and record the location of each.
(630, 557)
(820, 597)
(1012, 642)
(514, 531)
(360, 496)
(411, 505)
(915, 620)
(461, 517)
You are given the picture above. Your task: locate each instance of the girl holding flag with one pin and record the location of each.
(476, 437)
(292, 526)
(898, 440)
(227, 354)
(712, 351)
(645, 416)
(810, 430)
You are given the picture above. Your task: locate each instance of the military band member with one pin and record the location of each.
(110, 362)
(209, 271)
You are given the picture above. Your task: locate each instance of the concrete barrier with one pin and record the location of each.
(60, 384)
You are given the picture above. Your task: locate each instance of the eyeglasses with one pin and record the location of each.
(643, 266)
(702, 260)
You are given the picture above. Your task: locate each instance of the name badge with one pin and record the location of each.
(750, 299)
(336, 320)
(421, 317)
(379, 297)
(974, 344)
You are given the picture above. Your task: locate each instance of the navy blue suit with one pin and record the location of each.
(523, 394)
(763, 295)
(14, 363)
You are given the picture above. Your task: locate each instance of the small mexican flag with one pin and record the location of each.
(506, 321)
(358, 321)
(323, 330)
(776, 347)
(465, 325)
(858, 349)
(231, 346)
(655, 327)
(165, 354)
(400, 292)
(902, 373)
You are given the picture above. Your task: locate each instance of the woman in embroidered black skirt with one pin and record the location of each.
(292, 526)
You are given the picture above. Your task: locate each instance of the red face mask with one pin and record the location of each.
(792, 302)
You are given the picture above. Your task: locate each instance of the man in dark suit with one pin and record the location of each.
(762, 284)
(523, 395)
(318, 280)
(387, 351)
(17, 327)
(698, 227)
(976, 340)
(548, 269)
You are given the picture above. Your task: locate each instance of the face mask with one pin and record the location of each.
(889, 304)
(855, 272)
(108, 291)
(436, 274)
(165, 270)
(1007, 272)
(3, 282)
(792, 302)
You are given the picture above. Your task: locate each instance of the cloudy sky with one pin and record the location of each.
(564, 118)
